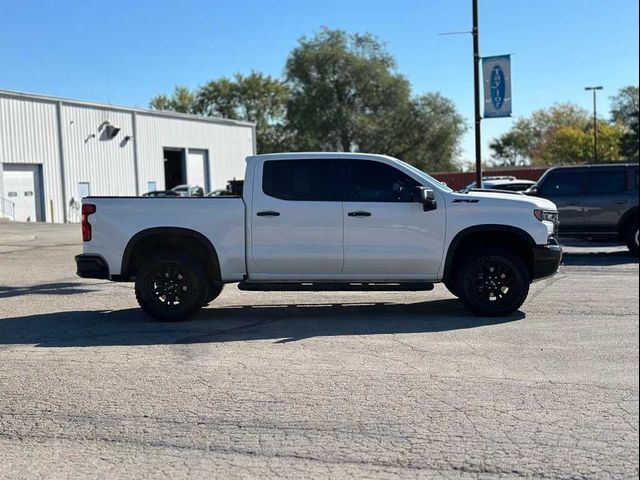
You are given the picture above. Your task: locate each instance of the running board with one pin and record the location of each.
(335, 286)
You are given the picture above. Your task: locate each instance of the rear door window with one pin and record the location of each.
(606, 181)
(302, 180)
(562, 183)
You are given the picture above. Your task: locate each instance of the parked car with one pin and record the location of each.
(594, 200)
(188, 190)
(509, 183)
(221, 192)
(234, 188)
(323, 221)
(161, 193)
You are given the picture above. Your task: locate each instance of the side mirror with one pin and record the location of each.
(533, 191)
(426, 197)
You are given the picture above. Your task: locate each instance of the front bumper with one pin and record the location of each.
(546, 259)
(91, 266)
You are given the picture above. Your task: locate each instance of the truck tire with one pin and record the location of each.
(213, 292)
(631, 237)
(171, 287)
(493, 282)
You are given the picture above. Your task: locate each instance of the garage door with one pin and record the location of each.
(21, 186)
(197, 168)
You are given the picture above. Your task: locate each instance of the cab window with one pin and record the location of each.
(369, 181)
(302, 180)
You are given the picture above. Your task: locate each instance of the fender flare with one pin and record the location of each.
(489, 228)
(141, 235)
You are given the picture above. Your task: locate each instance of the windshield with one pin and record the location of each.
(429, 178)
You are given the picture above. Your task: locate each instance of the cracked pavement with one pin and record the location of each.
(298, 385)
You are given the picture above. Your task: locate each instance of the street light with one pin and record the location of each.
(595, 124)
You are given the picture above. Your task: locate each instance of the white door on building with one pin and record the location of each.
(20, 188)
(197, 168)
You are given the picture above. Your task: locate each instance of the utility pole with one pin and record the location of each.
(476, 93)
(595, 123)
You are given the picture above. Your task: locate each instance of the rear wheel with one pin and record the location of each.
(171, 287)
(631, 238)
(494, 282)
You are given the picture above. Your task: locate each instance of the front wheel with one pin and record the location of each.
(631, 238)
(170, 287)
(494, 282)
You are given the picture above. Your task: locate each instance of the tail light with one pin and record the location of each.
(87, 209)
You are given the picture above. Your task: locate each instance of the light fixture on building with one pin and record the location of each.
(112, 130)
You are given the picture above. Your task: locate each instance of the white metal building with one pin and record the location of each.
(54, 151)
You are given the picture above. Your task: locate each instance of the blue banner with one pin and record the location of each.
(496, 74)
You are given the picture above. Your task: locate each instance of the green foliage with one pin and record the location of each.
(254, 98)
(341, 92)
(346, 96)
(182, 100)
(562, 134)
(625, 112)
(514, 147)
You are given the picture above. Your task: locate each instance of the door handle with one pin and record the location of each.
(572, 203)
(619, 202)
(268, 213)
(359, 214)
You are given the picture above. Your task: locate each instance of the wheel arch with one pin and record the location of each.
(146, 243)
(516, 239)
(625, 220)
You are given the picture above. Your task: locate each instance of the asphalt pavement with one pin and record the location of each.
(324, 385)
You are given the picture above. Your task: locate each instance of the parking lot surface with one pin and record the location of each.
(331, 385)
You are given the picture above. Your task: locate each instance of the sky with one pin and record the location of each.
(125, 52)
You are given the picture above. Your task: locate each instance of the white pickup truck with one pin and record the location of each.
(323, 221)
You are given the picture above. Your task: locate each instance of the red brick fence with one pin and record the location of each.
(458, 180)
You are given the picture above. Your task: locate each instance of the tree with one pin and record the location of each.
(625, 111)
(182, 100)
(341, 92)
(514, 147)
(562, 134)
(346, 96)
(254, 98)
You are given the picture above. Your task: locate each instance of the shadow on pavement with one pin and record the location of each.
(44, 289)
(281, 323)
(599, 259)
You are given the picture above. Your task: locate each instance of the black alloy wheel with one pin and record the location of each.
(171, 287)
(494, 282)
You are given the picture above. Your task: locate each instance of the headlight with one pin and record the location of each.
(550, 219)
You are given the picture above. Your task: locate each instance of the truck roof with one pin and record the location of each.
(307, 155)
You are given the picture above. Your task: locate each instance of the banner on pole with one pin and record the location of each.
(496, 74)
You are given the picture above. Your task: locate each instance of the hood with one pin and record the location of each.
(513, 198)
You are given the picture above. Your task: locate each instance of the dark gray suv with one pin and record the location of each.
(594, 200)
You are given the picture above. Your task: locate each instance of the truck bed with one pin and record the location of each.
(118, 220)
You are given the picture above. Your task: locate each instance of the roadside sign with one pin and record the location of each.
(496, 75)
